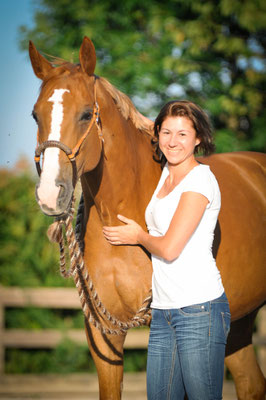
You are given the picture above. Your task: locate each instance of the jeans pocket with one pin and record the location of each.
(226, 318)
(195, 310)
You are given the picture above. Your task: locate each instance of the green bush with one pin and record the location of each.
(67, 357)
(27, 258)
(37, 319)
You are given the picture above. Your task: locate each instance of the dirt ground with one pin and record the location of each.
(76, 387)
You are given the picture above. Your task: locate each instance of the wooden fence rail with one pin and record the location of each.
(67, 298)
(57, 298)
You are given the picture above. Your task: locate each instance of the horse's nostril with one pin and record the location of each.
(62, 191)
(64, 194)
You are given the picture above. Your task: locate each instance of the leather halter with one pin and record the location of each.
(71, 153)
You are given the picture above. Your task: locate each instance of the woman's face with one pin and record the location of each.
(177, 139)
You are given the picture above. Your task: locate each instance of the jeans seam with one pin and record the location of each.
(167, 315)
(171, 375)
(210, 319)
(226, 331)
(209, 354)
(209, 369)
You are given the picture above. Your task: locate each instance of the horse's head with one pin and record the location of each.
(67, 116)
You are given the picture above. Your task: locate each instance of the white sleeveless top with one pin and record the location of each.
(192, 277)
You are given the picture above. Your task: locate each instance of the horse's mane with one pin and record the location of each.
(122, 101)
(127, 108)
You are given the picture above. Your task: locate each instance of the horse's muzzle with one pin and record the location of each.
(63, 201)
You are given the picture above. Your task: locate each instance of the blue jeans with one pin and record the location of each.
(186, 351)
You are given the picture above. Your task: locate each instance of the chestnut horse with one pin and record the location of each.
(118, 175)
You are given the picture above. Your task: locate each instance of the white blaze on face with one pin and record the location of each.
(48, 191)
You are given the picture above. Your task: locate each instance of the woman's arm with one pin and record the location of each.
(187, 216)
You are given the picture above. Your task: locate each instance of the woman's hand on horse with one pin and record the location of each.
(122, 234)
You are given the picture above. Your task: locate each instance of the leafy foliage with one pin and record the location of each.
(27, 257)
(210, 51)
(37, 319)
(66, 358)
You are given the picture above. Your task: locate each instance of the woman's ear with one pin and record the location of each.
(197, 141)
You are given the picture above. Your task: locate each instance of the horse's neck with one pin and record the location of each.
(121, 183)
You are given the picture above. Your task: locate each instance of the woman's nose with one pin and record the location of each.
(173, 140)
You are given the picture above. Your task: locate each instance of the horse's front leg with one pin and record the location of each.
(107, 352)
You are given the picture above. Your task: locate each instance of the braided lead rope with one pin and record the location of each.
(137, 320)
(89, 307)
(89, 295)
(89, 310)
(89, 298)
(59, 231)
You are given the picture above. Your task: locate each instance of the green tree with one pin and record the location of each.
(27, 258)
(210, 51)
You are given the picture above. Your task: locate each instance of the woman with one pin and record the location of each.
(190, 311)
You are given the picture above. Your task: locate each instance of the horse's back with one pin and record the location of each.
(249, 167)
(240, 234)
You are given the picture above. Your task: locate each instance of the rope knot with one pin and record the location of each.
(54, 232)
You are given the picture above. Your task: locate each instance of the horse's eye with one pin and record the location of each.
(86, 116)
(34, 116)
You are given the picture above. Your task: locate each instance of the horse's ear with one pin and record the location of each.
(40, 65)
(87, 56)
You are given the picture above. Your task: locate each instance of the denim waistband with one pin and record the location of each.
(221, 299)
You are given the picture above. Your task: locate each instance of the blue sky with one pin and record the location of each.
(19, 86)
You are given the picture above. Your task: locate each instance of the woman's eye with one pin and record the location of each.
(86, 116)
